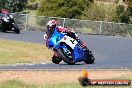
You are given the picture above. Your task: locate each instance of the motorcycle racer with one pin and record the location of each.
(51, 25)
(3, 12)
(7, 22)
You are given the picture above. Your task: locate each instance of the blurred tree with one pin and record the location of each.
(123, 13)
(98, 12)
(13, 5)
(120, 9)
(3, 4)
(63, 8)
(129, 9)
(125, 17)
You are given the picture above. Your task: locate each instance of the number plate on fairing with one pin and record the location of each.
(69, 41)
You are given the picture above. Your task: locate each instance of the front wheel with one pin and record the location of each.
(89, 57)
(16, 30)
(65, 56)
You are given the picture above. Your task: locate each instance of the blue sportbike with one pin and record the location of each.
(68, 49)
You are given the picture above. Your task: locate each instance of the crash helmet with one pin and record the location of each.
(51, 24)
(4, 11)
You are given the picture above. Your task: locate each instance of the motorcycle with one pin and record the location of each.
(68, 49)
(7, 24)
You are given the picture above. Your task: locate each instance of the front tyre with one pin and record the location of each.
(89, 57)
(16, 30)
(65, 57)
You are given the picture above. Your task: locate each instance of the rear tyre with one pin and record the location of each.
(65, 57)
(56, 60)
(89, 57)
(1, 28)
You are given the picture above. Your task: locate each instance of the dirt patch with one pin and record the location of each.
(43, 77)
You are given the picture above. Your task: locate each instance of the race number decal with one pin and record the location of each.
(69, 41)
(72, 41)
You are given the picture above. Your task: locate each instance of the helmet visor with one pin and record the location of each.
(50, 31)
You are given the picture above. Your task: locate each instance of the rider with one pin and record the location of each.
(52, 24)
(3, 11)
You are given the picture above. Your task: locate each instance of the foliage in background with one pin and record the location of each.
(3, 4)
(123, 14)
(99, 12)
(129, 9)
(13, 5)
(120, 9)
(83, 9)
(33, 4)
(63, 8)
(75, 9)
(108, 0)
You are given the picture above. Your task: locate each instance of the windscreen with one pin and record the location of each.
(50, 32)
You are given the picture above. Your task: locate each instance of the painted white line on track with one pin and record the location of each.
(13, 65)
(30, 64)
(43, 63)
(19, 64)
(65, 69)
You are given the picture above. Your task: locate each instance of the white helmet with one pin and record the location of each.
(51, 23)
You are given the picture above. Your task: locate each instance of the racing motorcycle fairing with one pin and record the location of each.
(61, 40)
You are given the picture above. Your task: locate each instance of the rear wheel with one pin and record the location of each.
(66, 57)
(89, 57)
(1, 28)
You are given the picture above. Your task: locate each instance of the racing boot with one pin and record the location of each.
(56, 59)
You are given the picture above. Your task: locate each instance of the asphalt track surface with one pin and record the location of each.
(111, 52)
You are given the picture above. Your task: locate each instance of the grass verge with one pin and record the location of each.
(57, 79)
(20, 84)
(18, 52)
(16, 84)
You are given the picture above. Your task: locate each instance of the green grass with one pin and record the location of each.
(18, 52)
(20, 84)
(77, 85)
(16, 84)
